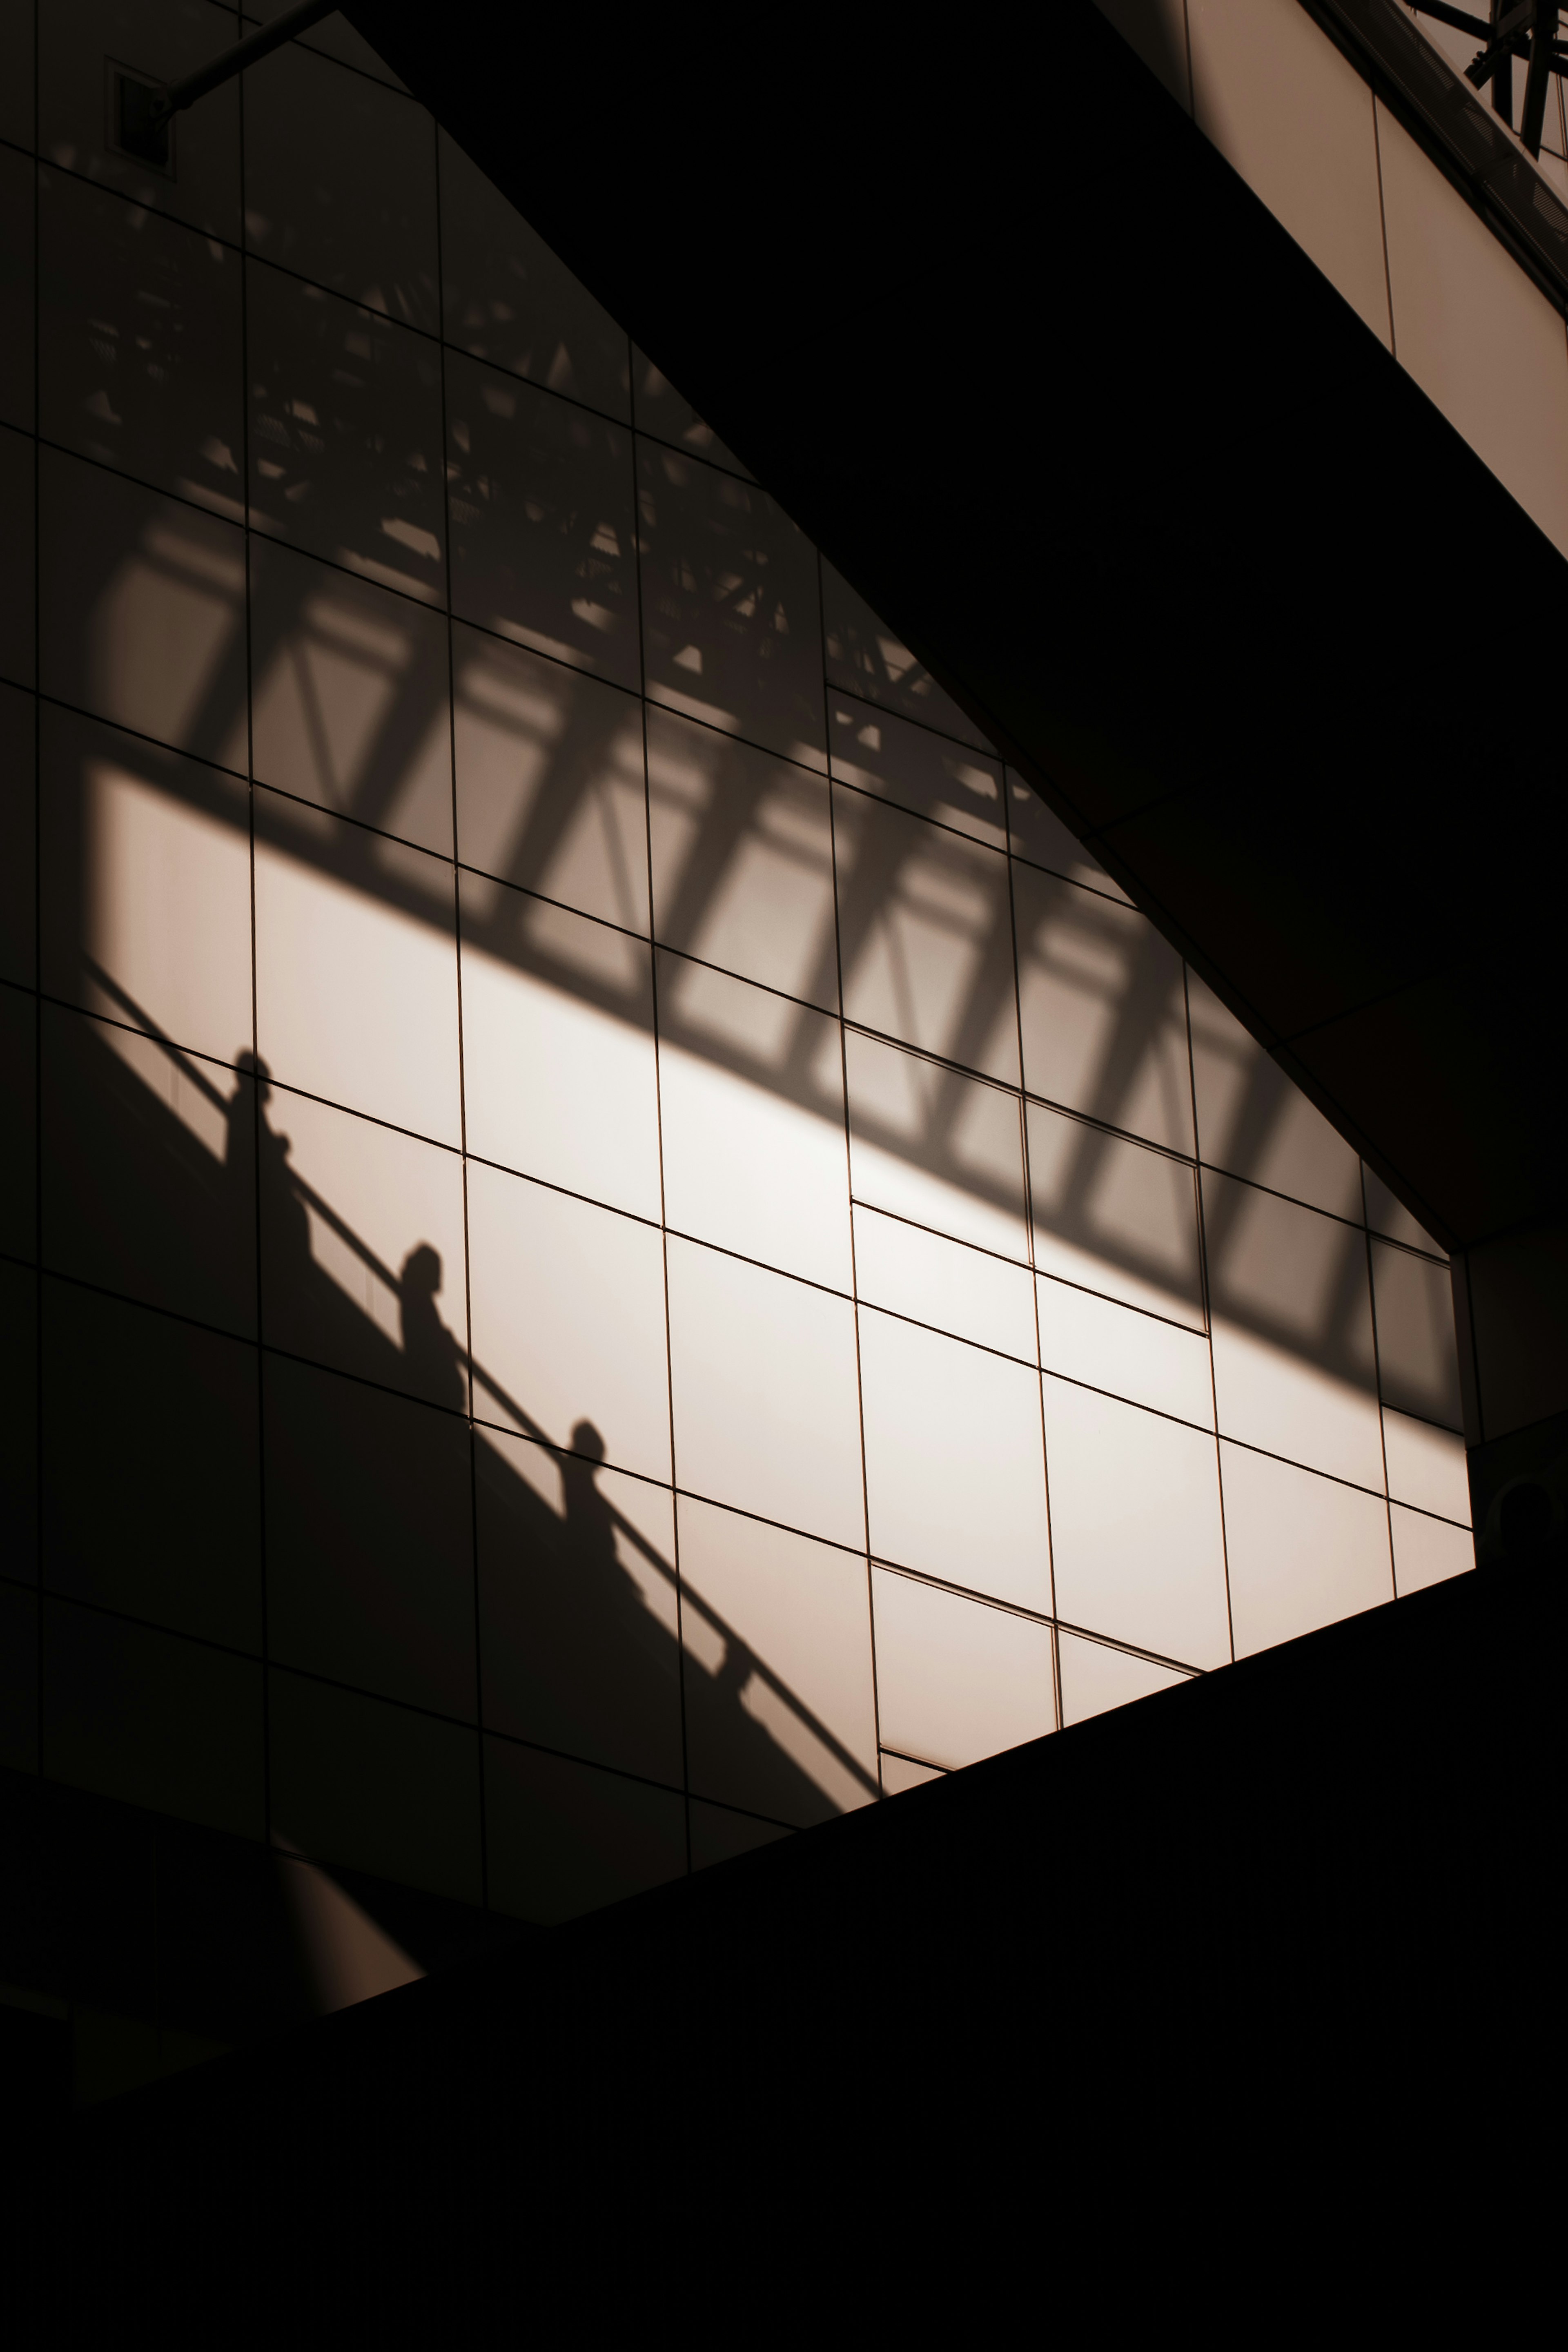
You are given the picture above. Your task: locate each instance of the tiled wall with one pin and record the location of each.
(1280, 101)
(613, 1242)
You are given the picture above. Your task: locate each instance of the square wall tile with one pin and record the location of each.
(924, 772)
(141, 610)
(350, 707)
(745, 1167)
(150, 1719)
(358, 1781)
(730, 630)
(508, 300)
(17, 200)
(1427, 1466)
(140, 343)
(954, 1462)
(549, 780)
(742, 859)
(152, 1509)
(145, 886)
(19, 1097)
(956, 1680)
(1417, 1357)
(18, 837)
(363, 1255)
(1303, 1550)
(1104, 1014)
(1140, 1357)
(345, 430)
(19, 1423)
(559, 1084)
(1252, 1121)
(865, 658)
(580, 1639)
(149, 1172)
(942, 1149)
(1114, 1216)
(564, 1838)
(1135, 1532)
(924, 939)
(943, 1283)
(780, 1708)
(1291, 1307)
(370, 1539)
(18, 623)
(542, 504)
(569, 1322)
(1427, 1551)
(361, 216)
(1036, 835)
(356, 972)
(1096, 1678)
(165, 40)
(763, 1381)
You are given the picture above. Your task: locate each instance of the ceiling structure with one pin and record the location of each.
(1069, 408)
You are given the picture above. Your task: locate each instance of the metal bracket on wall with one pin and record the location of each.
(1470, 145)
(142, 110)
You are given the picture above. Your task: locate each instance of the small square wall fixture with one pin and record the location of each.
(138, 126)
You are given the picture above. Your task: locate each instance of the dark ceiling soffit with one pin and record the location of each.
(752, 288)
(1455, 126)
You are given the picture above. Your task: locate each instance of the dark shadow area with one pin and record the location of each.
(133, 1944)
(1393, 1886)
(365, 1498)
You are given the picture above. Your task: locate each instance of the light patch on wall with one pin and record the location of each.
(784, 1625)
(558, 1088)
(356, 1001)
(1273, 1396)
(956, 1680)
(751, 1171)
(168, 910)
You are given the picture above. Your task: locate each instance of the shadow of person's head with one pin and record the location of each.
(586, 1440)
(251, 1065)
(421, 1276)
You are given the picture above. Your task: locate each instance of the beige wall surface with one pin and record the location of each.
(628, 1245)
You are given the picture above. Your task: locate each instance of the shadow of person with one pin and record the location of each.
(590, 1521)
(430, 1348)
(252, 1147)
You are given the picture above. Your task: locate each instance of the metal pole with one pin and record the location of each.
(260, 43)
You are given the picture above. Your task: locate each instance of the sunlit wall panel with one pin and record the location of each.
(629, 1246)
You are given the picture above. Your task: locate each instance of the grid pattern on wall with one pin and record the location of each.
(612, 1241)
